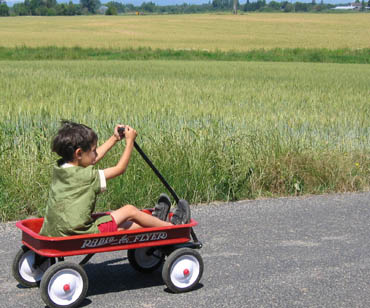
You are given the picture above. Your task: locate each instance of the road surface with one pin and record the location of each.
(290, 252)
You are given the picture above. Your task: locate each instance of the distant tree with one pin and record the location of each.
(52, 12)
(363, 5)
(120, 7)
(4, 9)
(216, 3)
(51, 3)
(222, 4)
(91, 5)
(274, 5)
(288, 7)
(313, 2)
(368, 4)
(300, 7)
(254, 6)
(112, 10)
(62, 9)
(130, 7)
(245, 6)
(318, 8)
(20, 9)
(148, 7)
(35, 6)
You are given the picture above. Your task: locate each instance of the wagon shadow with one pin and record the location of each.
(115, 276)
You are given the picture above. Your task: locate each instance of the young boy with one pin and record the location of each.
(75, 185)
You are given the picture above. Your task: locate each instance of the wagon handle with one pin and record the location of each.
(121, 131)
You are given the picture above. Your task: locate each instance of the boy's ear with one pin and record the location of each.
(78, 153)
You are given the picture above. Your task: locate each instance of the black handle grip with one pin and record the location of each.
(121, 131)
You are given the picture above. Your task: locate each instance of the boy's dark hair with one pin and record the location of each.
(70, 137)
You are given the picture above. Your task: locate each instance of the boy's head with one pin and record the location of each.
(71, 137)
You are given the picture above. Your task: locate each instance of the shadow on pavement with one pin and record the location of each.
(115, 276)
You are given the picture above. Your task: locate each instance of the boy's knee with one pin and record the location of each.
(130, 208)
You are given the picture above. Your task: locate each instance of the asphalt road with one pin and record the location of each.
(290, 252)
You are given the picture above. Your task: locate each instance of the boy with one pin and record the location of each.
(75, 186)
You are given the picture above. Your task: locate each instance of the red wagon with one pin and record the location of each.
(65, 284)
(40, 261)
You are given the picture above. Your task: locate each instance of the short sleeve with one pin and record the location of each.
(103, 181)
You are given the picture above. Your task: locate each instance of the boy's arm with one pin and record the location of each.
(107, 145)
(110, 173)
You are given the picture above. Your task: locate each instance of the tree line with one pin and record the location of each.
(86, 7)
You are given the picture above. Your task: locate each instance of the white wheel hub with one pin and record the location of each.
(27, 270)
(65, 287)
(185, 271)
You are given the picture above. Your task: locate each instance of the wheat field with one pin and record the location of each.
(198, 31)
(217, 131)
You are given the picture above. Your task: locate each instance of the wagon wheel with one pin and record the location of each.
(26, 270)
(64, 285)
(145, 260)
(182, 270)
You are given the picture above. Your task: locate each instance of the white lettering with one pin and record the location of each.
(98, 242)
(125, 239)
(86, 243)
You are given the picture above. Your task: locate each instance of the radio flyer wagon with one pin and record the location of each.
(41, 259)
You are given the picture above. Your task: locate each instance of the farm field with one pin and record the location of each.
(217, 131)
(201, 32)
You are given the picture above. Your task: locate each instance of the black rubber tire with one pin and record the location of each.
(18, 260)
(179, 261)
(138, 256)
(53, 278)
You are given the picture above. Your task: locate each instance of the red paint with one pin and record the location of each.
(105, 242)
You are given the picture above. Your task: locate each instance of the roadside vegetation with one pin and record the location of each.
(226, 131)
(361, 56)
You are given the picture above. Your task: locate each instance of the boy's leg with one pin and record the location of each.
(130, 214)
(128, 225)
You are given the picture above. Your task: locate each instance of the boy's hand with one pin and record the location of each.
(130, 133)
(116, 134)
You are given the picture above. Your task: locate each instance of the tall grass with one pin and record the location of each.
(361, 56)
(216, 130)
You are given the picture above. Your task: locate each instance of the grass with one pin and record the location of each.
(216, 130)
(208, 32)
(361, 56)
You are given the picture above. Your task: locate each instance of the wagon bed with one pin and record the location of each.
(101, 242)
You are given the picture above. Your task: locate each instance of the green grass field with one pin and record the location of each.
(216, 130)
(200, 32)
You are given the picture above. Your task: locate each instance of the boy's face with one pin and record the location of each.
(88, 158)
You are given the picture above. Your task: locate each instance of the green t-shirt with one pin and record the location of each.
(71, 202)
